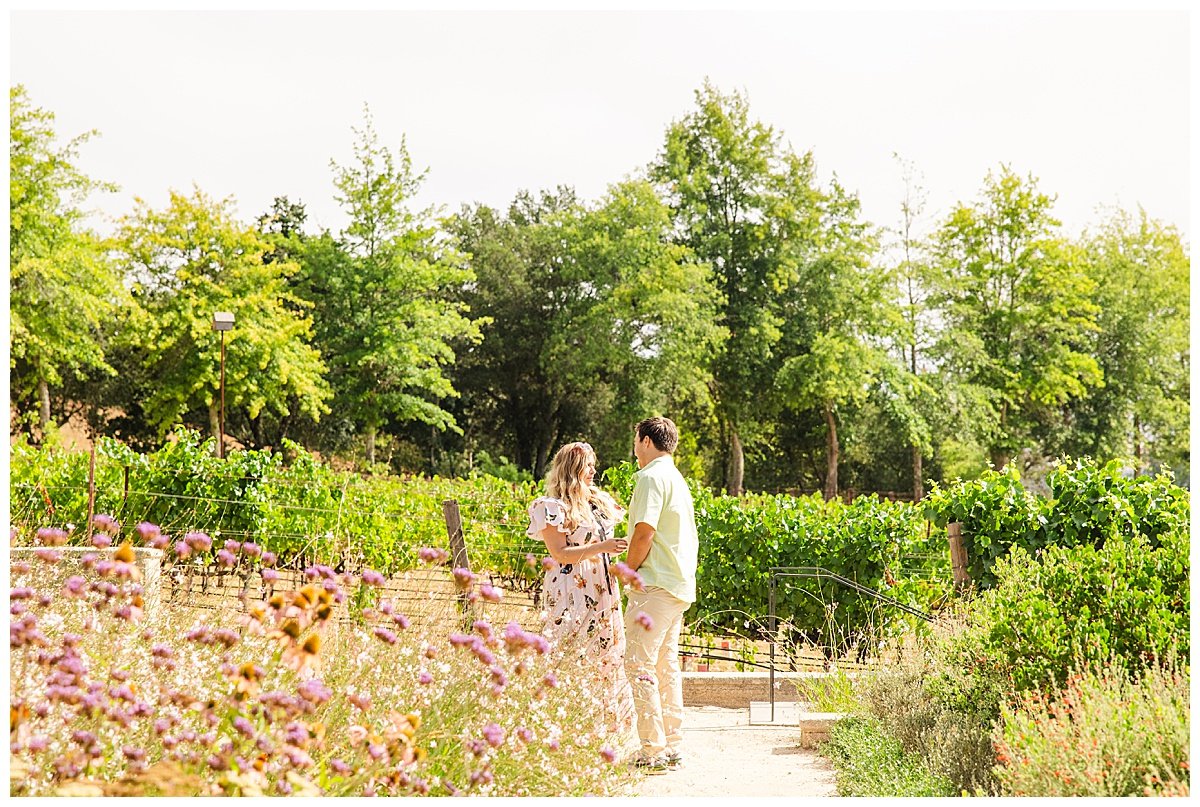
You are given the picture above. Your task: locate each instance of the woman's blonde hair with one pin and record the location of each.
(565, 483)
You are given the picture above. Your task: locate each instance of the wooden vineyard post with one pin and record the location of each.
(458, 546)
(958, 555)
(87, 526)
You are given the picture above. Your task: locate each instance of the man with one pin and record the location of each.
(662, 547)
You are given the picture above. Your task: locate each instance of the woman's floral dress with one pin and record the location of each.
(583, 604)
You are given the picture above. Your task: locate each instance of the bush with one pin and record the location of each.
(1089, 505)
(1126, 603)
(950, 735)
(869, 762)
(1105, 733)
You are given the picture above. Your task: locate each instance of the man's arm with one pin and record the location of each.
(639, 544)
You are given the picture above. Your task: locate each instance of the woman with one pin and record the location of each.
(583, 604)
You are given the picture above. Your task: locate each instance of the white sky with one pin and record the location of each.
(254, 105)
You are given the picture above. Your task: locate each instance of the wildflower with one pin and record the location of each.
(484, 655)
(386, 635)
(269, 575)
(498, 675)
(226, 637)
(183, 549)
(314, 691)
(493, 734)
(198, 634)
(356, 734)
(490, 593)
(38, 743)
(21, 567)
(161, 651)
(524, 735)
(47, 555)
(461, 639)
(361, 701)
(296, 733)
(133, 753)
(482, 628)
(22, 593)
(303, 657)
(198, 541)
(106, 524)
(531, 560)
(401, 621)
(225, 558)
(372, 578)
(51, 536)
(269, 559)
(550, 680)
(232, 546)
(430, 651)
(644, 620)
(481, 777)
(424, 679)
(84, 738)
(549, 564)
(251, 549)
(432, 555)
(463, 578)
(161, 726)
(147, 531)
(608, 754)
(253, 620)
(376, 751)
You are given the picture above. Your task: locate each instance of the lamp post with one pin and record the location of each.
(222, 321)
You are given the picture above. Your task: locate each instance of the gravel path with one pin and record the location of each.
(726, 756)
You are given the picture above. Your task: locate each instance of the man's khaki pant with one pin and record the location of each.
(652, 664)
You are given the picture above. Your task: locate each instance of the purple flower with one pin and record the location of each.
(183, 549)
(295, 733)
(133, 753)
(251, 549)
(482, 628)
(51, 536)
(461, 639)
(161, 725)
(524, 735)
(493, 734)
(147, 531)
(644, 620)
(463, 577)
(105, 523)
(21, 567)
(38, 743)
(22, 593)
(429, 554)
(269, 559)
(376, 752)
(361, 701)
(484, 655)
(481, 777)
(490, 593)
(84, 738)
(269, 575)
(551, 680)
(424, 679)
(232, 545)
(401, 621)
(339, 767)
(243, 726)
(498, 675)
(198, 541)
(101, 540)
(314, 691)
(225, 558)
(608, 754)
(371, 577)
(47, 555)
(386, 635)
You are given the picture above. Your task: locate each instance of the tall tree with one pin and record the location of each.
(1014, 295)
(62, 288)
(189, 261)
(383, 290)
(1141, 270)
(746, 205)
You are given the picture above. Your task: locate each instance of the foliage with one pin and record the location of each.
(62, 288)
(1089, 503)
(189, 261)
(1104, 733)
(113, 695)
(1017, 310)
(834, 692)
(871, 763)
(1126, 603)
(381, 295)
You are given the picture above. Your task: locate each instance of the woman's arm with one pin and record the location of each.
(556, 544)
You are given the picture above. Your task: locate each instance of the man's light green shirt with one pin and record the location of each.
(661, 499)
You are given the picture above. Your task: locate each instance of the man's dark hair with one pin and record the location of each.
(662, 433)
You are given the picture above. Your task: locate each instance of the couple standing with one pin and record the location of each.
(583, 605)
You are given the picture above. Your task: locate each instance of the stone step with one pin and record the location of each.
(815, 726)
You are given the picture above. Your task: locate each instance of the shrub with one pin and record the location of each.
(951, 735)
(869, 762)
(1126, 602)
(1105, 733)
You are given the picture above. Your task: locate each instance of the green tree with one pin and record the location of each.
(61, 286)
(1141, 270)
(188, 261)
(1014, 297)
(383, 295)
(747, 206)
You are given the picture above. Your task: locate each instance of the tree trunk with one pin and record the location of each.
(1000, 458)
(371, 431)
(918, 476)
(831, 455)
(214, 425)
(43, 406)
(737, 463)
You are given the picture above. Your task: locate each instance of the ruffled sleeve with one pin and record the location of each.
(546, 511)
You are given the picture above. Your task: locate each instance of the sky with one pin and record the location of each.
(254, 105)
